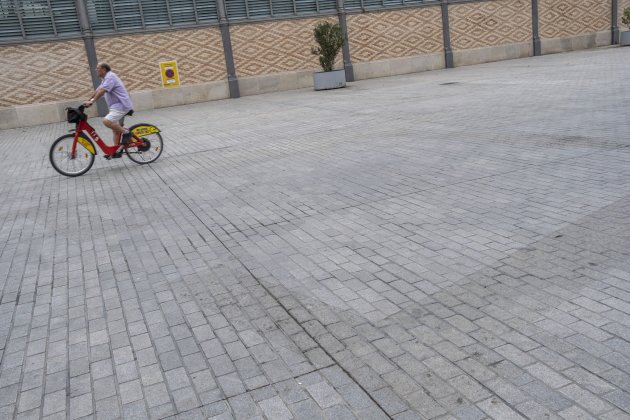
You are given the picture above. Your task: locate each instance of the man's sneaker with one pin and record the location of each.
(126, 137)
(116, 155)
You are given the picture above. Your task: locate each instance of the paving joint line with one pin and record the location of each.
(272, 295)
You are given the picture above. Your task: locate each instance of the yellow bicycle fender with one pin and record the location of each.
(144, 130)
(85, 143)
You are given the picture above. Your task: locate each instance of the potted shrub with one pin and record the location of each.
(624, 36)
(330, 40)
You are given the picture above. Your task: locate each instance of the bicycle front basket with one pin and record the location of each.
(74, 115)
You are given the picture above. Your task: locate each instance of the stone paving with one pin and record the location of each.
(451, 244)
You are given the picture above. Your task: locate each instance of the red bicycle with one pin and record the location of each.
(73, 154)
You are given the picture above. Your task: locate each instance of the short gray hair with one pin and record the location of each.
(104, 66)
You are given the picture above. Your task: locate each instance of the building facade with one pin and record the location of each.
(229, 48)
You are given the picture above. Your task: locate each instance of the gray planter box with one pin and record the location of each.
(624, 38)
(323, 80)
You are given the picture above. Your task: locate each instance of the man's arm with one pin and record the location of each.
(97, 94)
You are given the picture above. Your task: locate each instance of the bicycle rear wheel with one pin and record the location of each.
(152, 147)
(61, 155)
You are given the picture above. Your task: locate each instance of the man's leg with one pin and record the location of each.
(114, 120)
(116, 128)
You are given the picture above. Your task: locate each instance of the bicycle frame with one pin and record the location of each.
(84, 127)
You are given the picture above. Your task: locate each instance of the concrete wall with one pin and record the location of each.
(200, 64)
(393, 42)
(490, 31)
(43, 72)
(40, 79)
(276, 55)
(567, 25)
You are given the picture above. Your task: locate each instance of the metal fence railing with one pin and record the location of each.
(50, 19)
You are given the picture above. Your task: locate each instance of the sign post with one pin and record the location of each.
(170, 75)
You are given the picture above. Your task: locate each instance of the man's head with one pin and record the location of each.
(102, 69)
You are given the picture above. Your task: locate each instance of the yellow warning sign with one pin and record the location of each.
(170, 75)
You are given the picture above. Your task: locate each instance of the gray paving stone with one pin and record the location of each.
(56, 381)
(101, 369)
(54, 402)
(177, 378)
(131, 391)
(275, 408)
(389, 401)
(30, 399)
(108, 408)
(162, 411)
(497, 409)
(243, 406)
(290, 391)
(81, 406)
(307, 409)
(620, 398)
(547, 375)
(185, 399)
(8, 395)
(135, 410)
(104, 387)
(156, 395)
(263, 393)
(231, 384)
(532, 409)
(32, 379)
(546, 396)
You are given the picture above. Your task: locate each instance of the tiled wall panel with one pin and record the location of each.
(275, 47)
(43, 72)
(136, 58)
(565, 18)
(395, 33)
(490, 23)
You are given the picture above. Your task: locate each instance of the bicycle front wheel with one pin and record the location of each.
(62, 160)
(152, 146)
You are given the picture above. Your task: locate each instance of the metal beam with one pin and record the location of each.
(90, 51)
(446, 36)
(614, 29)
(224, 25)
(345, 49)
(535, 34)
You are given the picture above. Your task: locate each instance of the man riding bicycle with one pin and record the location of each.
(119, 104)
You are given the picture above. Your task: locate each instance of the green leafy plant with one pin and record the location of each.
(625, 19)
(330, 40)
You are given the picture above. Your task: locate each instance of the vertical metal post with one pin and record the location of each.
(446, 35)
(345, 49)
(614, 29)
(90, 51)
(224, 25)
(535, 33)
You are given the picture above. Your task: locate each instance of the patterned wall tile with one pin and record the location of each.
(43, 72)
(395, 33)
(564, 18)
(621, 4)
(136, 58)
(273, 47)
(489, 23)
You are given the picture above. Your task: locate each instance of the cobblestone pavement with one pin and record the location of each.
(451, 244)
